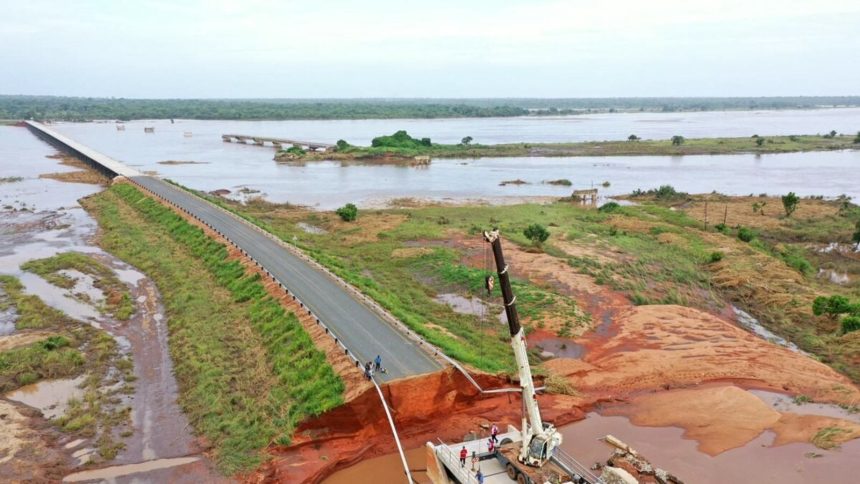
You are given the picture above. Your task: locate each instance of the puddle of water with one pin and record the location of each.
(561, 347)
(839, 248)
(785, 403)
(311, 229)
(386, 468)
(8, 315)
(84, 287)
(50, 396)
(129, 276)
(58, 298)
(747, 321)
(834, 276)
(464, 305)
(754, 462)
(111, 473)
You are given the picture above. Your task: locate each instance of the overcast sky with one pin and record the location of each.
(439, 48)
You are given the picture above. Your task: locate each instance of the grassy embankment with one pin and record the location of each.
(652, 253)
(247, 370)
(401, 147)
(117, 301)
(67, 348)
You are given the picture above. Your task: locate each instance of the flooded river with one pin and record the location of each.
(327, 185)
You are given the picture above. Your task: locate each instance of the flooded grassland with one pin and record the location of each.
(87, 380)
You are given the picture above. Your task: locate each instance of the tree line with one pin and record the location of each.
(85, 109)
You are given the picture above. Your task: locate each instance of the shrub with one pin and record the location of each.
(633, 137)
(759, 141)
(746, 234)
(857, 138)
(856, 237)
(789, 202)
(677, 140)
(54, 342)
(465, 141)
(850, 323)
(794, 138)
(716, 256)
(348, 212)
(609, 207)
(342, 145)
(296, 150)
(721, 227)
(831, 306)
(537, 233)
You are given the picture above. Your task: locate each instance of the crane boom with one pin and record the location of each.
(539, 440)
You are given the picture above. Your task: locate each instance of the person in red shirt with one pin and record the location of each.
(463, 454)
(491, 446)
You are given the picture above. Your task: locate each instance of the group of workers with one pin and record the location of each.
(491, 447)
(372, 366)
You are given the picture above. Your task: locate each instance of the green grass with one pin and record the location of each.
(54, 357)
(117, 298)
(827, 438)
(247, 370)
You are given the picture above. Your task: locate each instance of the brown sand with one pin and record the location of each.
(725, 417)
(85, 174)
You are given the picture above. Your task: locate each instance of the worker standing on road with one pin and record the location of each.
(494, 431)
(368, 370)
(463, 454)
(378, 362)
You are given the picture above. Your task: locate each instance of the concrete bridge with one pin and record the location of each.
(276, 142)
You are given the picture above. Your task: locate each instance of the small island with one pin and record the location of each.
(400, 147)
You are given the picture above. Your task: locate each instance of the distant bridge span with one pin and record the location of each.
(276, 142)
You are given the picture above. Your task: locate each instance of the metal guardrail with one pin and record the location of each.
(452, 463)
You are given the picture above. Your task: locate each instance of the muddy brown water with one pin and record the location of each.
(666, 448)
(41, 218)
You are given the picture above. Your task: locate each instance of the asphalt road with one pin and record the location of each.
(362, 330)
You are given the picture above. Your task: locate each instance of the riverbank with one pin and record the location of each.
(415, 152)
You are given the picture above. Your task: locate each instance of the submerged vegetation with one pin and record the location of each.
(117, 298)
(248, 375)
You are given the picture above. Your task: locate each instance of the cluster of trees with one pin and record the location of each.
(84, 109)
(834, 307)
(401, 139)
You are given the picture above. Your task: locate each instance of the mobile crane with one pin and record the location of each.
(540, 440)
